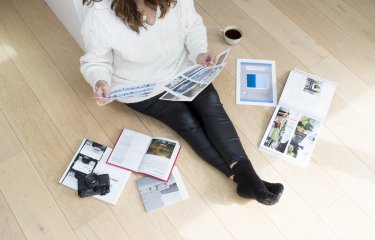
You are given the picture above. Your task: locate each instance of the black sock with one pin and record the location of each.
(251, 186)
(275, 188)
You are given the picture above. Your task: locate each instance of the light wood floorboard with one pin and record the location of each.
(32, 204)
(331, 37)
(357, 26)
(9, 227)
(46, 110)
(365, 7)
(42, 76)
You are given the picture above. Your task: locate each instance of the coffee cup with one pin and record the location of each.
(232, 34)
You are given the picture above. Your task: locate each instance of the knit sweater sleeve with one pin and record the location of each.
(97, 62)
(196, 36)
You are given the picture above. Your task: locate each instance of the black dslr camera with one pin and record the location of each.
(92, 184)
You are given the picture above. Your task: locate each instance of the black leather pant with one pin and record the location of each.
(203, 123)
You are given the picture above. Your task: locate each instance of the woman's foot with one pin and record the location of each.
(275, 188)
(252, 187)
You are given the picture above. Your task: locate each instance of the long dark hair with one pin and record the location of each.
(128, 12)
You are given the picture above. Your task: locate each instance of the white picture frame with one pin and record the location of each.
(256, 82)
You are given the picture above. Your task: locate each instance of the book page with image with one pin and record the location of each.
(307, 94)
(295, 125)
(129, 150)
(160, 158)
(291, 135)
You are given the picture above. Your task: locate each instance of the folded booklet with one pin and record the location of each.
(295, 124)
(157, 194)
(140, 153)
(91, 158)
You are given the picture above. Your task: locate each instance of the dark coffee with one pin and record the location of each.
(233, 34)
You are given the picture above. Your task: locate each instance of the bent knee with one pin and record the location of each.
(183, 122)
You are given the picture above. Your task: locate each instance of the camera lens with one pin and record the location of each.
(91, 180)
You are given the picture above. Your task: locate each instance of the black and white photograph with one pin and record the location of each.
(84, 164)
(86, 159)
(175, 82)
(212, 73)
(93, 150)
(192, 92)
(198, 76)
(157, 194)
(221, 57)
(170, 97)
(194, 70)
(184, 86)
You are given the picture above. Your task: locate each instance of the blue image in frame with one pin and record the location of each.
(251, 81)
(257, 81)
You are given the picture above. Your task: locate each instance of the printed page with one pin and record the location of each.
(307, 94)
(291, 136)
(131, 91)
(129, 150)
(157, 194)
(118, 178)
(91, 157)
(220, 59)
(190, 83)
(160, 158)
(193, 80)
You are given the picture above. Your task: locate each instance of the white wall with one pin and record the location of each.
(70, 14)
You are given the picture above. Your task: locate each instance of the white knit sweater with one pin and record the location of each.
(121, 57)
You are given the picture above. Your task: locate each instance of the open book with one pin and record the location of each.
(91, 157)
(157, 194)
(295, 124)
(141, 153)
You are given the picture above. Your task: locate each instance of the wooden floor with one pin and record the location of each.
(46, 110)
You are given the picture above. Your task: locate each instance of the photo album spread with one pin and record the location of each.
(140, 153)
(294, 127)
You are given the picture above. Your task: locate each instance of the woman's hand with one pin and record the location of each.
(206, 59)
(102, 92)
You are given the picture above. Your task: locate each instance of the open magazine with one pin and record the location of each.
(190, 82)
(184, 86)
(140, 153)
(157, 194)
(91, 157)
(295, 124)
